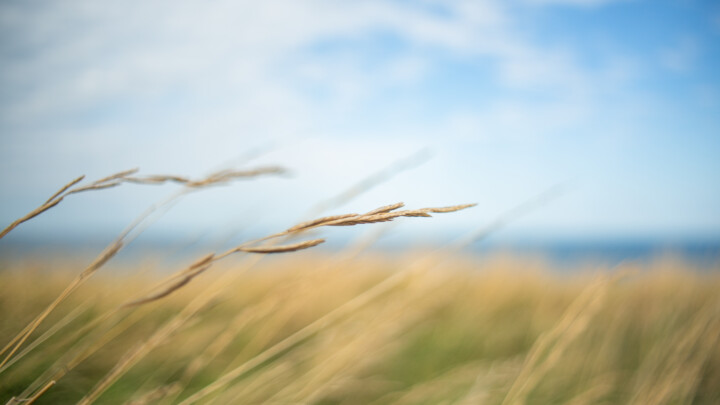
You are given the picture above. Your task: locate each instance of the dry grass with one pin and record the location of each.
(165, 288)
(221, 177)
(300, 331)
(412, 329)
(114, 180)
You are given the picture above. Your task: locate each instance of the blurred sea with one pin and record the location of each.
(568, 254)
(563, 254)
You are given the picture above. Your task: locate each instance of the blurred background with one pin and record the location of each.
(495, 102)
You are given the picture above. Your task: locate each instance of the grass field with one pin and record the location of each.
(246, 326)
(404, 329)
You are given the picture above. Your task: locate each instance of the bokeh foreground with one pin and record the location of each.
(411, 328)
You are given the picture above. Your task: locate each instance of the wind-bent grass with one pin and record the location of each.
(382, 214)
(174, 283)
(114, 180)
(422, 328)
(471, 331)
(221, 177)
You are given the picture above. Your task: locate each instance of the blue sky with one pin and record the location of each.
(619, 99)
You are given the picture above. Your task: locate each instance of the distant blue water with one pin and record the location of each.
(561, 253)
(701, 253)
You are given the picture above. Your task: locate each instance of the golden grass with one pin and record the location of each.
(220, 177)
(175, 282)
(297, 330)
(114, 180)
(419, 328)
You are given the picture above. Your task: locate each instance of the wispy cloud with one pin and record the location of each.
(172, 85)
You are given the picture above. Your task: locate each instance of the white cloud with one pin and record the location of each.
(198, 82)
(237, 55)
(91, 53)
